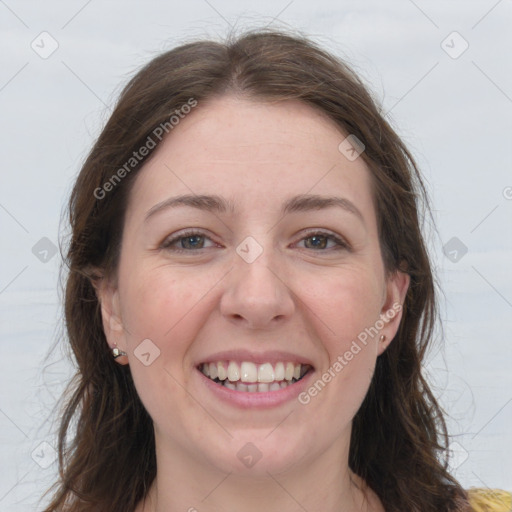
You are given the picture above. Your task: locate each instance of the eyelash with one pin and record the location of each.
(342, 244)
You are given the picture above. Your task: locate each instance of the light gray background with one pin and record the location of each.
(454, 113)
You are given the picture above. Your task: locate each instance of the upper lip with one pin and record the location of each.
(241, 355)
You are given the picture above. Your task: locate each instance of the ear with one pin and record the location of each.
(108, 297)
(392, 308)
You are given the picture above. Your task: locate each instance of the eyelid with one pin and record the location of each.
(341, 242)
(189, 232)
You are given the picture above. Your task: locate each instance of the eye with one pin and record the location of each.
(187, 241)
(192, 240)
(319, 241)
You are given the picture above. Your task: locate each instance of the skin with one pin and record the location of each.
(294, 297)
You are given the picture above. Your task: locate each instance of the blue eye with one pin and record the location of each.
(188, 241)
(192, 241)
(320, 241)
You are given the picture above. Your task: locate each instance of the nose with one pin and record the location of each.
(257, 295)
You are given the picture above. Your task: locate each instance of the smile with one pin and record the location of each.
(247, 376)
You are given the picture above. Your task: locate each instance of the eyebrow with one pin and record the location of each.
(217, 204)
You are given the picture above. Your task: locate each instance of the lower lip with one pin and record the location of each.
(260, 400)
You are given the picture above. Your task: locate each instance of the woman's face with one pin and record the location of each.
(250, 254)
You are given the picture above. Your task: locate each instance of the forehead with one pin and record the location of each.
(246, 129)
(255, 154)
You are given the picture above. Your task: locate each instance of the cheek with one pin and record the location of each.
(353, 371)
(169, 307)
(346, 309)
(165, 308)
(155, 303)
(345, 302)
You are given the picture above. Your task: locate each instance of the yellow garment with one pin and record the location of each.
(490, 500)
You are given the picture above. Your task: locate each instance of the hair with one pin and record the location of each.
(399, 437)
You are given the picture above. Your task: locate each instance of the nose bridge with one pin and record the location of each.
(257, 293)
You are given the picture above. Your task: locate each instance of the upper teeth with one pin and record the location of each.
(250, 372)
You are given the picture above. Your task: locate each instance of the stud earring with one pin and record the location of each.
(116, 352)
(382, 338)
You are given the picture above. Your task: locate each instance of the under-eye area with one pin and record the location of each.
(251, 377)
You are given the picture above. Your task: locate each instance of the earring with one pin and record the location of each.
(382, 338)
(116, 352)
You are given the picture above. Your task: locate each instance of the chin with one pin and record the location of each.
(255, 455)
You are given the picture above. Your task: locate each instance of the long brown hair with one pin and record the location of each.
(399, 436)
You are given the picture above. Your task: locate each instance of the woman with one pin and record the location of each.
(249, 296)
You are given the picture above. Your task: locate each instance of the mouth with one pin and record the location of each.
(250, 377)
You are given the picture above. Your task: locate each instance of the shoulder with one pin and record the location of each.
(489, 500)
